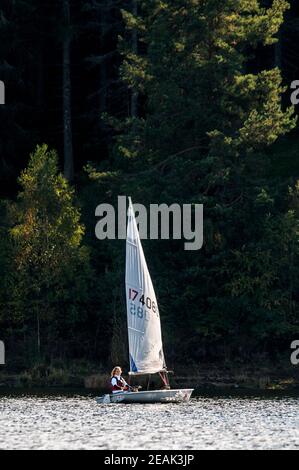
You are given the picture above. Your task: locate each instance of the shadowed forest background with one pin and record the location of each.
(174, 101)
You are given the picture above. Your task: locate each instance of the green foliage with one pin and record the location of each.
(206, 136)
(211, 128)
(194, 77)
(50, 272)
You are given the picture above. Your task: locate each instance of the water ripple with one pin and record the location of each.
(204, 423)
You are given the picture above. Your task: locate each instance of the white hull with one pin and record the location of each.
(151, 396)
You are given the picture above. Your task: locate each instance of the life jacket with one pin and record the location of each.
(118, 386)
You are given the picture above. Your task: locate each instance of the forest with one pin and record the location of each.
(166, 101)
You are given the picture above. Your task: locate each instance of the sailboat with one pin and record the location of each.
(146, 354)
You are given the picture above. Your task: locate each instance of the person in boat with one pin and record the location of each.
(118, 383)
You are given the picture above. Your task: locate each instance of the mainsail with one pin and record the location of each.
(144, 326)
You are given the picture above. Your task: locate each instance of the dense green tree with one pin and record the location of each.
(205, 136)
(51, 269)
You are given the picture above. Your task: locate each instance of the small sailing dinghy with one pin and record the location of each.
(144, 328)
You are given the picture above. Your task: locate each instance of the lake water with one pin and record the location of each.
(77, 422)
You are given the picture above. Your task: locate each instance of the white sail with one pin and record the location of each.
(144, 326)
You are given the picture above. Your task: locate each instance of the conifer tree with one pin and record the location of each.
(206, 135)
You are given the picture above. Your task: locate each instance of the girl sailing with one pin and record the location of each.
(118, 383)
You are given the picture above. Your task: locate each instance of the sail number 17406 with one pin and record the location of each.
(144, 303)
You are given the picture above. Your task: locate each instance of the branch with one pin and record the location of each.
(167, 160)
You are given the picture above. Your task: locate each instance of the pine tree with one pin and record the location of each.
(196, 62)
(205, 135)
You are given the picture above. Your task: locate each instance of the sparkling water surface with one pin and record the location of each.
(78, 422)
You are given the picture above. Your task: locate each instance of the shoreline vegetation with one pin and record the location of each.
(198, 112)
(269, 377)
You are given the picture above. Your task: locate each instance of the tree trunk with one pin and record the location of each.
(134, 96)
(38, 331)
(40, 77)
(67, 99)
(278, 50)
(103, 66)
